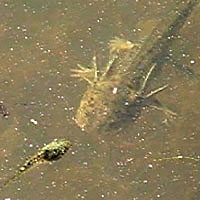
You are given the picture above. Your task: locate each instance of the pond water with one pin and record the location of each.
(41, 41)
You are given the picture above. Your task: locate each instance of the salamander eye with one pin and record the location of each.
(91, 101)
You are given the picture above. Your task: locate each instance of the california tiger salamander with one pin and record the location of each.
(121, 84)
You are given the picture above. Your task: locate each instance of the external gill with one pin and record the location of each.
(88, 74)
(92, 74)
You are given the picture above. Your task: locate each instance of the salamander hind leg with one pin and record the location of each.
(148, 98)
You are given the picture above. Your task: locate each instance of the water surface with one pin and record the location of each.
(41, 41)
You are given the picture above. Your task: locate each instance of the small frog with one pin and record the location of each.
(51, 152)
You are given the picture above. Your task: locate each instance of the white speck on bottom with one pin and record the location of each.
(114, 90)
(33, 121)
(192, 61)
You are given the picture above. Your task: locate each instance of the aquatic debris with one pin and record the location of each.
(177, 158)
(3, 110)
(51, 152)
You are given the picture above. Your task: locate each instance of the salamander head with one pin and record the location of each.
(93, 109)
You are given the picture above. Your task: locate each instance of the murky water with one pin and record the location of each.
(41, 41)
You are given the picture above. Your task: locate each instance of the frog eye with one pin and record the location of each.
(28, 163)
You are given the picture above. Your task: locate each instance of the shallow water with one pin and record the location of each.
(41, 41)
